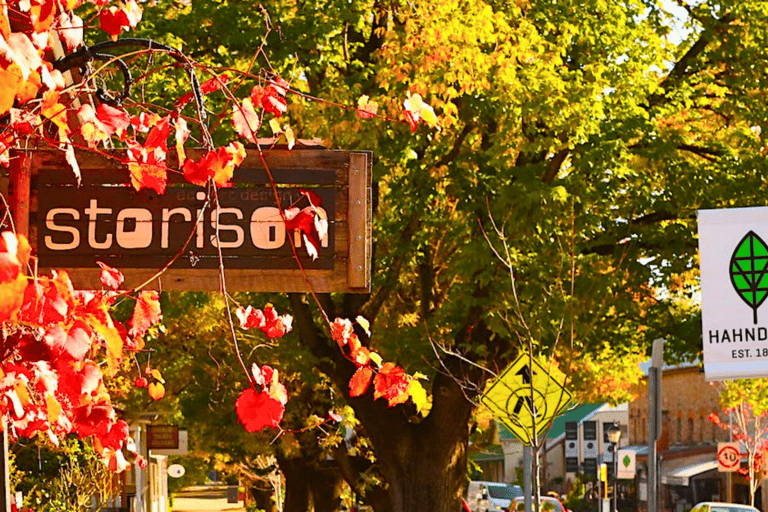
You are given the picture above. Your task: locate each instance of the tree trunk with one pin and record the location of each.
(325, 484)
(423, 461)
(296, 486)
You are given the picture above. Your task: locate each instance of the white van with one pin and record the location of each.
(491, 496)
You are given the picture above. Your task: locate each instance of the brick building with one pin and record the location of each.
(687, 448)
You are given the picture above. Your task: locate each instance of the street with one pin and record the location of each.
(205, 498)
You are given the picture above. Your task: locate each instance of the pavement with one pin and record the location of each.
(205, 498)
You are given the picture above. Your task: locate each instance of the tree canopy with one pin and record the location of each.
(538, 168)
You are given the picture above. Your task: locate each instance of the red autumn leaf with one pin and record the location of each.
(14, 253)
(246, 121)
(361, 356)
(270, 98)
(42, 14)
(158, 135)
(115, 119)
(391, 383)
(110, 277)
(360, 381)
(147, 168)
(148, 175)
(146, 312)
(207, 87)
(70, 29)
(141, 382)
(250, 317)
(113, 20)
(116, 436)
(276, 326)
(74, 344)
(412, 121)
(256, 411)
(303, 221)
(341, 330)
(218, 165)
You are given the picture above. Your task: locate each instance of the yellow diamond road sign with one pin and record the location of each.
(526, 398)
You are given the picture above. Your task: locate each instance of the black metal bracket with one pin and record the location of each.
(87, 54)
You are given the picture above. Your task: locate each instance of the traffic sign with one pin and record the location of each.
(728, 457)
(526, 398)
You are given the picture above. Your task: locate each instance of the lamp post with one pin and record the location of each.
(614, 434)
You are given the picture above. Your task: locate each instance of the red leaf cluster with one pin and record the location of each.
(270, 323)
(51, 377)
(218, 165)
(389, 380)
(311, 222)
(272, 97)
(260, 409)
(115, 20)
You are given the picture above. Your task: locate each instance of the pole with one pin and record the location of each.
(615, 477)
(527, 487)
(654, 420)
(5, 469)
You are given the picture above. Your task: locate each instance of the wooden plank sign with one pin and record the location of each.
(162, 437)
(138, 232)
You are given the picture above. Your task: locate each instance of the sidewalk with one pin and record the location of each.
(205, 498)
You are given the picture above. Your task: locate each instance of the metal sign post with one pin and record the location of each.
(654, 419)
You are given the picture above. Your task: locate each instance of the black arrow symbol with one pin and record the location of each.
(525, 373)
(519, 405)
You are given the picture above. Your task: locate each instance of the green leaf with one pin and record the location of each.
(749, 263)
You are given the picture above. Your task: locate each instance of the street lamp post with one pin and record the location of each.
(614, 434)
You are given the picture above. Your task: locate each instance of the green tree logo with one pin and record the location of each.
(749, 263)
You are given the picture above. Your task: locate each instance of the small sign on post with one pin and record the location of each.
(728, 457)
(162, 437)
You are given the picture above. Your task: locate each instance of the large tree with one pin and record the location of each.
(582, 136)
(552, 210)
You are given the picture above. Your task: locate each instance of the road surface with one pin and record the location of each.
(205, 498)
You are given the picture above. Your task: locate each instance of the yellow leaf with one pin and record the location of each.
(364, 323)
(419, 396)
(376, 358)
(156, 374)
(22, 393)
(156, 391)
(53, 407)
(274, 124)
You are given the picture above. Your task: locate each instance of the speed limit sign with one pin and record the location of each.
(728, 457)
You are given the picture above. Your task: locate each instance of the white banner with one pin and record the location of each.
(626, 464)
(733, 248)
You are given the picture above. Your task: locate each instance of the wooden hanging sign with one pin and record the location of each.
(138, 232)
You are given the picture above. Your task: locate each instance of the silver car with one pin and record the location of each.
(715, 506)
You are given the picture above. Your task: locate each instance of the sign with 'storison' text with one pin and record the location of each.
(192, 230)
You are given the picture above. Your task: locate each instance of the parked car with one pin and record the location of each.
(715, 506)
(491, 496)
(546, 504)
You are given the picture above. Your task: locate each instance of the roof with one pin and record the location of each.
(493, 452)
(578, 414)
(682, 476)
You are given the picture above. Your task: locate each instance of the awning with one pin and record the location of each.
(682, 476)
